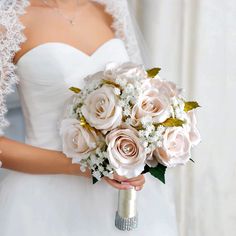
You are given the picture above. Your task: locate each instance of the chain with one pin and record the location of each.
(71, 20)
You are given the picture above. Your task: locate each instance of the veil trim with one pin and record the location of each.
(12, 36)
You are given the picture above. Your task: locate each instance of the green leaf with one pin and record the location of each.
(158, 172)
(172, 122)
(188, 106)
(146, 169)
(94, 180)
(75, 90)
(153, 72)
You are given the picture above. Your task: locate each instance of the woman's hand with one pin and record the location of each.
(123, 183)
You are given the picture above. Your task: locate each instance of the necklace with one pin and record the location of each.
(71, 20)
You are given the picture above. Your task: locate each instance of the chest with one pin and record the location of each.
(91, 28)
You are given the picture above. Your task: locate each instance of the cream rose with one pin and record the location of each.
(77, 141)
(125, 152)
(176, 147)
(101, 109)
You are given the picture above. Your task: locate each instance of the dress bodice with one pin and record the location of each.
(46, 72)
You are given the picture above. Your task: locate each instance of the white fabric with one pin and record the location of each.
(41, 116)
(11, 36)
(194, 43)
(60, 205)
(10, 39)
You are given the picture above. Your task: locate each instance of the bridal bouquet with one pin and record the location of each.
(129, 121)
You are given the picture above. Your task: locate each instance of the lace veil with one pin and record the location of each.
(11, 37)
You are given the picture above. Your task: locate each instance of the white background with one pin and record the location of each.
(194, 42)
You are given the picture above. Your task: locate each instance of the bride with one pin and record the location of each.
(45, 46)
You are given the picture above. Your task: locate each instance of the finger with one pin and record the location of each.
(140, 177)
(139, 188)
(118, 185)
(119, 178)
(137, 183)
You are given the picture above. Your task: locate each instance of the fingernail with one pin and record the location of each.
(137, 188)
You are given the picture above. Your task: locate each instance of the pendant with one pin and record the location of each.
(72, 22)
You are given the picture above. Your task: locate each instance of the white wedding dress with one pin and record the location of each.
(60, 205)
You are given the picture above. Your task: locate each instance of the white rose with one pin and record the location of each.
(125, 152)
(101, 109)
(175, 149)
(77, 141)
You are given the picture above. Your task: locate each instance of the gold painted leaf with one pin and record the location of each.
(75, 90)
(188, 106)
(153, 72)
(172, 122)
(84, 123)
(111, 83)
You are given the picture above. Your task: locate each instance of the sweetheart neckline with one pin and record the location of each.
(69, 46)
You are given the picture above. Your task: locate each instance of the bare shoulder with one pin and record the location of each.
(32, 12)
(101, 12)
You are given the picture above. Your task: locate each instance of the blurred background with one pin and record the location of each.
(194, 42)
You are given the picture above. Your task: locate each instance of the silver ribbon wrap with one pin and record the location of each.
(126, 215)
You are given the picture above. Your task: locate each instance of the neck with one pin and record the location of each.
(67, 4)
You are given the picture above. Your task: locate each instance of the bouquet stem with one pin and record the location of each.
(126, 215)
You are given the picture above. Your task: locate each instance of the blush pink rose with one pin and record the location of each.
(125, 152)
(127, 70)
(191, 128)
(77, 141)
(168, 88)
(176, 148)
(154, 102)
(101, 109)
